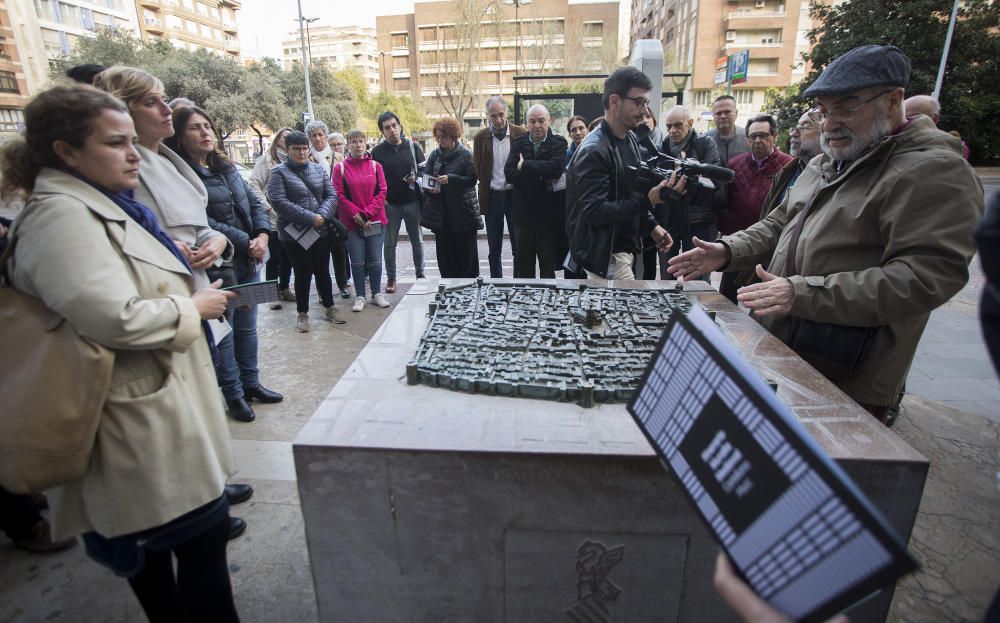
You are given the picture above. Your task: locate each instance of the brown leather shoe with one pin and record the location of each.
(390, 286)
(40, 540)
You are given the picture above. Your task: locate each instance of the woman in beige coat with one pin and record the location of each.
(96, 256)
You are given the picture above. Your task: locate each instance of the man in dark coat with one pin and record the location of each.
(536, 169)
(694, 216)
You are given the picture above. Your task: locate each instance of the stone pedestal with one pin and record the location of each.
(423, 504)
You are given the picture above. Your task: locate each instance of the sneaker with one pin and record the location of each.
(359, 304)
(275, 305)
(344, 294)
(288, 295)
(333, 316)
(390, 287)
(302, 324)
(421, 276)
(379, 300)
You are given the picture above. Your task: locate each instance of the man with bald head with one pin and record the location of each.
(536, 170)
(694, 216)
(928, 106)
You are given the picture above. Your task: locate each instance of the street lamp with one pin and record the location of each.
(305, 63)
(309, 45)
(517, 20)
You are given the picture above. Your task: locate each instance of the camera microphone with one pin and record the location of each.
(642, 133)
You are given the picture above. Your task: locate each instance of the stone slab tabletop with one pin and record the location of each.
(372, 406)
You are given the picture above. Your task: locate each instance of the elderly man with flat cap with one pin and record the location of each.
(874, 234)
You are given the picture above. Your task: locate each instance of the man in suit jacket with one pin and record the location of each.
(490, 149)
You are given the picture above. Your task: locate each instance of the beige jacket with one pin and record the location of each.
(889, 240)
(162, 446)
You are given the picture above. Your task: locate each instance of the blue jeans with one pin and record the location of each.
(237, 366)
(498, 209)
(704, 231)
(366, 259)
(408, 213)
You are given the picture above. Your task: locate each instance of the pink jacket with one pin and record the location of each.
(363, 180)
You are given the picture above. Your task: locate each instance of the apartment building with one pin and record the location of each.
(191, 24)
(698, 34)
(48, 29)
(13, 83)
(340, 47)
(446, 46)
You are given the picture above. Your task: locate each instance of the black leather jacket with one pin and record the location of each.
(599, 201)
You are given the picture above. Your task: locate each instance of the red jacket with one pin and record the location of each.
(365, 184)
(748, 189)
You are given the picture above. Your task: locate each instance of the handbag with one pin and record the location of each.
(53, 390)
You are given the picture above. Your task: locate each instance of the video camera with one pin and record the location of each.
(659, 166)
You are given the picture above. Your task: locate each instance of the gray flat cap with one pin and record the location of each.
(861, 68)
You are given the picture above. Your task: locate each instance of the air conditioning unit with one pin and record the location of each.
(758, 4)
(730, 35)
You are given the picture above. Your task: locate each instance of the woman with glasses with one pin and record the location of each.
(301, 194)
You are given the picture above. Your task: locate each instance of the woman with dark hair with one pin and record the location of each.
(235, 211)
(301, 193)
(278, 265)
(577, 128)
(451, 209)
(360, 185)
(153, 490)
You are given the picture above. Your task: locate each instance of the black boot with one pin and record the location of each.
(240, 411)
(261, 394)
(236, 527)
(237, 494)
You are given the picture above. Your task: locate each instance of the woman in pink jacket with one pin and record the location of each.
(360, 186)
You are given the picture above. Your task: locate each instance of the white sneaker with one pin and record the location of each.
(302, 324)
(359, 303)
(379, 300)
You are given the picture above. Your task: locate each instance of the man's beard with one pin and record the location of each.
(805, 150)
(860, 142)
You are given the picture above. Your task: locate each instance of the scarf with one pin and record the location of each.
(501, 134)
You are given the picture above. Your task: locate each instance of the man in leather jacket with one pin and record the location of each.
(605, 218)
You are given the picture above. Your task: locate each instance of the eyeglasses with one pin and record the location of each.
(759, 136)
(843, 114)
(641, 102)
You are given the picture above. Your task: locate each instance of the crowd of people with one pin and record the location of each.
(864, 227)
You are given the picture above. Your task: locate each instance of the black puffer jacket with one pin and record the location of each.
(455, 209)
(532, 197)
(233, 209)
(599, 200)
(294, 202)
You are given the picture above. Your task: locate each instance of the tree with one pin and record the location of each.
(412, 116)
(787, 106)
(917, 27)
(459, 55)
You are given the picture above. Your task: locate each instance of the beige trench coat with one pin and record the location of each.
(889, 240)
(162, 446)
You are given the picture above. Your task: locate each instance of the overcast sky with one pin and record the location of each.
(264, 23)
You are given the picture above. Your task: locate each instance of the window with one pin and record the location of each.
(401, 84)
(593, 29)
(191, 27)
(701, 98)
(8, 83)
(174, 22)
(400, 62)
(400, 40)
(11, 120)
(202, 9)
(428, 34)
(44, 9)
(743, 96)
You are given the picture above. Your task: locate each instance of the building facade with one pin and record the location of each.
(191, 24)
(698, 35)
(341, 47)
(48, 29)
(13, 82)
(453, 55)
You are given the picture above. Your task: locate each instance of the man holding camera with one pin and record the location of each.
(402, 161)
(874, 234)
(605, 217)
(695, 216)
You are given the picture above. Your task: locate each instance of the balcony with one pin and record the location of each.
(152, 4)
(232, 45)
(229, 26)
(153, 25)
(756, 20)
(757, 50)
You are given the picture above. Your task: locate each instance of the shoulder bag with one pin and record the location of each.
(52, 390)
